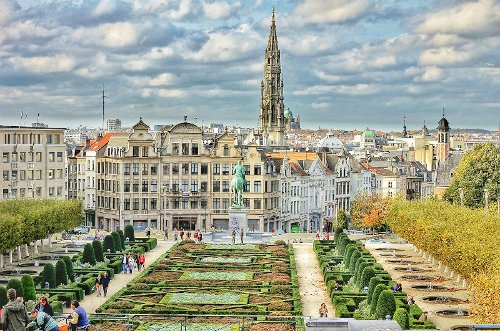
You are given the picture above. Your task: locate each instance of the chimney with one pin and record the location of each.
(323, 156)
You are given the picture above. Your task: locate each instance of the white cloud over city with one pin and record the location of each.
(345, 64)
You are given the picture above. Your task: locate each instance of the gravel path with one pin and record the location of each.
(311, 285)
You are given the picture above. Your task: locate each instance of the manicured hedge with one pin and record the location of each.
(386, 304)
(129, 232)
(401, 316)
(88, 254)
(49, 275)
(16, 285)
(69, 268)
(61, 274)
(98, 252)
(28, 287)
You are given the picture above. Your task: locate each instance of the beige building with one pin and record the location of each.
(33, 162)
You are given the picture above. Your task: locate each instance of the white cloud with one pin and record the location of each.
(332, 11)
(307, 44)
(26, 30)
(356, 89)
(321, 105)
(104, 7)
(383, 61)
(170, 93)
(162, 79)
(45, 64)
(112, 35)
(432, 74)
(326, 77)
(444, 56)
(7, 10)
(218, 10)
(177, 13)
(99, 66)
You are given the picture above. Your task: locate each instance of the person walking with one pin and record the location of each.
(98, 285)
(241, 235)
(79, 320)
(175, 234)
(14, 314)
(105, 282)
(44, 305)
(323, 311)
(43, 321)
(233, 236)
(131, 263)
(141, 260)
(165, 234)
(124, 263)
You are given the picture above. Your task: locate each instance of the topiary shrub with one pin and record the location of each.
(3, 296)
(61, 273)
(354, 258)
(69, 268)
(386, 304)
(415, 311)
(16, 285)
(366, 275)
(116, 241)
(401, 316)
(129, 232)
(371, 287)
(376, 293)
(88, 254)
(122, 239)
(109, 244)
(99, 256)
(358, 269)
(348, 252)
(336, 234)
(280, 242)
(49, 275)
(28, 288)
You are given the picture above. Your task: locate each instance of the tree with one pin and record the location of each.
(16, 285)
(3, 296)
(342, 219)
(129, 232)
(401, 316)
(116, 241)
(109, 244)
(61, 274)
(88, 254)
(97, 245)
(122, 239)
(386, 304)
(49, 275)
(69, 268)
(28, 288)
(478, 170)
(369, 211)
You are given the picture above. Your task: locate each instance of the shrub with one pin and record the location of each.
(376, 293)
(122, 239)
(401, 316)
(336, 234)
(61, 274)
(367, 274)
(415, 311)
(348, 252)
(116, 241)
(16, 284)
(99, 256)
(28, 288)
(280, 242)
(374, 281)
(88, 254)
(49, 275)
(3, 296)
(129, 232)
(109, 244)
(358, 269)
(386, 304)
(354, 258)
(69, 268)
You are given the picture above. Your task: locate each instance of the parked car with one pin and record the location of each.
(80, 230)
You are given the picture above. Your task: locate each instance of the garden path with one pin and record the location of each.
(311, 285)
(92, 302)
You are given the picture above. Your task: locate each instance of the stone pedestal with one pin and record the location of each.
(238, 219)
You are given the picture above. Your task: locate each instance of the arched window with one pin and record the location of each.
(226, 150)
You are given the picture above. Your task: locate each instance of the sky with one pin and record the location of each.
(346, 64)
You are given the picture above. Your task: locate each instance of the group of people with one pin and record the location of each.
(397, 287)
(15, 317)
(197, 235)
(130, 262)
(233, 236)
(102, 284)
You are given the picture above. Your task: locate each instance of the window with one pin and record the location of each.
(145, 151)
(136, 204)
(154, 203)
(51, 173)
(154, 186)
(51, 191)
(225, 169)
(6, 175)
(194, 204)
(135, 151)
(38, 174)
(246, 188)
(166, 169)
(136, 186)
(185, 168)
(126, 204)
(246, 203)
(59, 173)
(194, 168)
(390, 184)
(30, 157)
(22, 175)
(216, 186)
(59, 191)
(216, 169)
(225, 203)
(185, 186)
(185, 204)
(126, 186)
(194, 149)
(38, 157)
(52, 156)
(225, 186)
(257, 170)
(144, 203)
(204, 168)
(247, 170)
(59, 156)
(136, 169)
(216, 203)
(5, 157)
(175, 149)
(14, 157)
(144, 186)
(154, 170)
(204, 186)
(257, 204)
(226, 150)
(145, 169)
(175, 168)
(176, 204)
(126, 169)
(175, 186)
(31, 174)
(49, 139)
(257, 186)
(185, 149)
(194, 186)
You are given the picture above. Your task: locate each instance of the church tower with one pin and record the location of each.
(272, 119)
(443, 144)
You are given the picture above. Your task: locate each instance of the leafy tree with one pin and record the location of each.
(122, 239)
(3, 296)
(89, 254)
(97, 245)
(16, 285)
(116, 241)
(129, 232)
(477, 171)
(28, 288)
(342, 219)
(61, 274)
(386, 304)
(401, 316)
(69, 268)
(49, 275)
(369, 211)
(109, 244)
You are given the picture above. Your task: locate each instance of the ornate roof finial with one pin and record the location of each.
(443, 111)
(273, 15)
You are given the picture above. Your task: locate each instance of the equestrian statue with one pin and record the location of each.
(237, 185)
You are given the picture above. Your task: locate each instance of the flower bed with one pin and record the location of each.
(235, 247)
(228, 260)
(218, 275)
(205, 298)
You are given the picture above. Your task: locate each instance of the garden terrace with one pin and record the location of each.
(212, 279)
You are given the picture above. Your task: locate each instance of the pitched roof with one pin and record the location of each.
(98, 144)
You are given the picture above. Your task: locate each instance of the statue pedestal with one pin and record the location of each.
(238, 219)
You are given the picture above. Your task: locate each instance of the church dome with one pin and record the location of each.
(367, 134)
(288, 113)
(443, 124)
(330, 142)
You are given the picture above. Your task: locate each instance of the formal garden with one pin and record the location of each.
(233, 285)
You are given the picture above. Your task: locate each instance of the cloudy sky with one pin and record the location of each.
(346, 63)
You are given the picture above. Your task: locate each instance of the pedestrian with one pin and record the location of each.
(241, 235)
(165, 234)
(409, 300)
(323, 311)
(182, 234)
(189, 235)
(105, 282)
(131, 263)
(142, 261)
(124, 263)
(200, 237)
(14, 314)
(98, 285)
(233, 236)
(44, 305)
(43, 321)
(328, 236)
(148, 232)
(195, 236)
(79, 320)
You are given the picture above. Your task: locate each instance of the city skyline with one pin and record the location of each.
(345, 64)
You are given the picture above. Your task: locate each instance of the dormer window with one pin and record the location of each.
(135, 151)
(226, 150)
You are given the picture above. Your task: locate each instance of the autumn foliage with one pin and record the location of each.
(369, 211)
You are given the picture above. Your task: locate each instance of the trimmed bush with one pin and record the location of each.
(348, 252)
(61, 274)
(371, 287)
(69, 268)
(3, 296)
(401, 316)
(376, 293)
(99, 255)
(129, 232)
(109, 244)
(88, 254)
(336, 234)
(16, 284)
(28, 288)
(49, 275)
(116, 241)
(415, 311)
(367, 274)
(122, 239)
(386, 304)
(354, 258)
